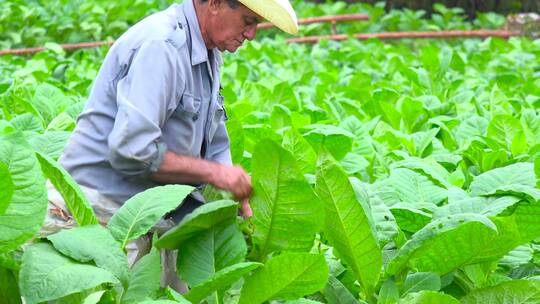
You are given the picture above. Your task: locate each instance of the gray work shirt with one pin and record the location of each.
(157, 90)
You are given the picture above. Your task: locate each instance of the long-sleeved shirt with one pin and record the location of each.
(157, 91)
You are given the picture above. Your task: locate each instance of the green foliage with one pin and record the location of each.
(288, 276)
(6, 183)
(73, 196)
(287, 213)
(520, 291)
(47, 274)
(145, 278)
(197, 222)
(221, 280)
(426, 189)
(347, 225)
(104, 251)
(144, 210)
(26, 210)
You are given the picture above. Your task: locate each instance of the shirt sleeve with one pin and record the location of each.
(220, 146)
(143, 97)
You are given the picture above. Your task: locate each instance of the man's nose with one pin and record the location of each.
(251, 32)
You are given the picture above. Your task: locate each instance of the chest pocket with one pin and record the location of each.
(218, 116)
(189, 107)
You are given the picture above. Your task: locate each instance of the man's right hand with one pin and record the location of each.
(178, 169)
(232, 179)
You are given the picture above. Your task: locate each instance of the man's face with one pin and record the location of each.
(229, 27)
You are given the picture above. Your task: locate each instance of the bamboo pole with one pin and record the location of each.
(313, 39)
(75, 46)
(414, 35)
(266, 25)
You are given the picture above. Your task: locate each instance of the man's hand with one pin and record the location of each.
(236, 181)
(232, 179)
(180, 169)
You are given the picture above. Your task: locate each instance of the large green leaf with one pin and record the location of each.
(288, 276)
(413, 114)
(51, 143)
(9, 289)
(445, 244)
(236, 133)
(302, 301)
(47, 275)
(334, 139)
(49, 101)
(408, 218)
(389, 293)
(174, 295)
(94, 297)
(220, 281)
(302, 151)
(415, 188)
(145, 278)
(141, 212)
(428, 167)
(499, 205)
(6, 184)
(158, 302)
(354, 163)
(93, 243)
(527, 219)
(286, 212)
(503, 129)
(336, 293)
(517, 257)
(346, 225)
(516, 174)
(197, 222)
(27, 122)
(428, 297)
(470, 128)
(26, 211)
(419, 281)
(62, 122)
(385, 222)
(531, 125)
(73, 196)
(478, 205)
(210, 251)
(383, 103)
(519, 291)
(528, 193)
(422, 140)
(467, 205)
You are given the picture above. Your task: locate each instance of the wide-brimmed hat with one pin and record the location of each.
(278, 12)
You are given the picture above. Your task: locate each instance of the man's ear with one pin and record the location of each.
(215, 4)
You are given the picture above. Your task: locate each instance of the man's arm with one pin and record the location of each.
(179, 169)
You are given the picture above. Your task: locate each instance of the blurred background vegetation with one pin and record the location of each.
(472, 7)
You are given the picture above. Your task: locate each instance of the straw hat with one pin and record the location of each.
(278, 12)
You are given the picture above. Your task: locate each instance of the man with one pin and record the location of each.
(155, 115)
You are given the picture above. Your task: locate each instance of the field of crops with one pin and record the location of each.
(403, 172)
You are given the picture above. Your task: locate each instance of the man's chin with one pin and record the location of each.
(231, 49)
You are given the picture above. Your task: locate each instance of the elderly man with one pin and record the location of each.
(155, 114)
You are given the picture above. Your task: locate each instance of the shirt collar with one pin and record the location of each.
(199, 53)
(217, 57)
